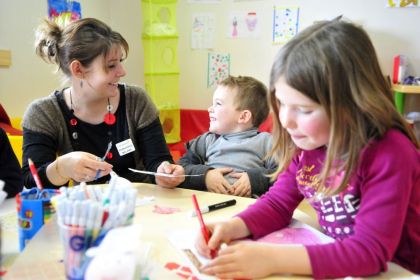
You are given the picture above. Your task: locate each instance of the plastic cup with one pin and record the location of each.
(75, 240)
(32, 212)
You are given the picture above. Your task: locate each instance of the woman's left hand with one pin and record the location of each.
(168, 168)
(241, 260)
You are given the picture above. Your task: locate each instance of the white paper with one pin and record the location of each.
(243, 25)
(163, 174)
(202, 33)
(185, 238)
(285, 24)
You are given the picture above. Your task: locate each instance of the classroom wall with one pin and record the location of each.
(393, 31)
(29, 77)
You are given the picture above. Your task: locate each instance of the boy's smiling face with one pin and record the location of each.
(223, 113)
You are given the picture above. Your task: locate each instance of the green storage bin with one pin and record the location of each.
(170, 119)
(160, 55)
(159, 17)
(163, 89)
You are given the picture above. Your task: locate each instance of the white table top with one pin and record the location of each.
(42, 256)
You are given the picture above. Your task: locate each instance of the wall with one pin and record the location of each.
(29, 77)
(393, 31)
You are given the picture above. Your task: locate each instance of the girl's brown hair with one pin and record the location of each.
(335, 64)
(81, 40)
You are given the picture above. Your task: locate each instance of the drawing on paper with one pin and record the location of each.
(64, 11)
(218, 68)
(243, 25)
(202, 34)
(296, 233)
(285, 24)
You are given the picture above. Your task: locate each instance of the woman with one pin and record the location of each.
(96, 125)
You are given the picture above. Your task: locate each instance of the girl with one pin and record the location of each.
(341, 144)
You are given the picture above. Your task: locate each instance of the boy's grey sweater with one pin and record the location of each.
(244, 152)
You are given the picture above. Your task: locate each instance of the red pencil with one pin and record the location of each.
(35, 174)
(204, 230)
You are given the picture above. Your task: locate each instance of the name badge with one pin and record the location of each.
(125, 147)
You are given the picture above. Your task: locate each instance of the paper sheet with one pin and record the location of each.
(296, 233)
(163, 174)
(203, 29)
(183, 239)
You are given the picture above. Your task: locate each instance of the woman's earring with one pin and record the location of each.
(81, 83)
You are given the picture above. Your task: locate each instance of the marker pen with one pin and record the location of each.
(216, 206)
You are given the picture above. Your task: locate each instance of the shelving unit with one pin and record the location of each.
(399, 94)
(160, 43)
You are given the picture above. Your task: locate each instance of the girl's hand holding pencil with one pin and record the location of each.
(221, 233)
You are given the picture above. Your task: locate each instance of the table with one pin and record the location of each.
(40, 259)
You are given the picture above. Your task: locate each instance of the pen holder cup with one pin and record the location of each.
(76, 241)
(33, 210)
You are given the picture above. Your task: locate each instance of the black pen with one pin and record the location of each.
(216, 206)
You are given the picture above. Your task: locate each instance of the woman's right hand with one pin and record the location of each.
(82, 166)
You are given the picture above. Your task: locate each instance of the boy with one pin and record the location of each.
(232, 154)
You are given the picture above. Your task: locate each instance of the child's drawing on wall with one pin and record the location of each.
(243, 25)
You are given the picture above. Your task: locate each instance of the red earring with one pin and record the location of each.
(109, 119)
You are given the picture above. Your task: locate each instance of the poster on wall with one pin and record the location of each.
(243, 25)
(285, 24)
(403, 4)
(202, 33)
(218, 68)
(64, 11)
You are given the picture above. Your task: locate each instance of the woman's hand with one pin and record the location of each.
(168, 168)
(82, 166)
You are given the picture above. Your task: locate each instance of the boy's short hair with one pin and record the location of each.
(251, 95)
